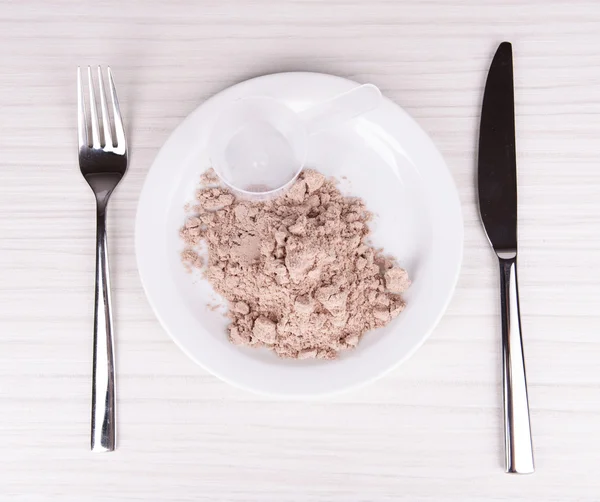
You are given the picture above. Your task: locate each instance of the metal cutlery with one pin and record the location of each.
(103, 163)
(497, 186)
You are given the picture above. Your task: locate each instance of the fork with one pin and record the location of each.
(103, 163)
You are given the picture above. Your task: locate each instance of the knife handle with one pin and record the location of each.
(517, 430)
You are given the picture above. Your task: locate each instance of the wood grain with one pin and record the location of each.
(430, 431)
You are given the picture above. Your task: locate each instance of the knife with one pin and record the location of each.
(497, 187)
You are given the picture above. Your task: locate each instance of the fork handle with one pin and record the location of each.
(517, 431)
(103, 374)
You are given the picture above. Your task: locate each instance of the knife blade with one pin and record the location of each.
(497, 169)
(497, 189)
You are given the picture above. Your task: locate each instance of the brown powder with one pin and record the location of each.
(297, 271)
(209, 177)
(191, 259)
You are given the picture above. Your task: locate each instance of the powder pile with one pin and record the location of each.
(297, 271)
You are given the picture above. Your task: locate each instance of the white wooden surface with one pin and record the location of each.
(429, 431)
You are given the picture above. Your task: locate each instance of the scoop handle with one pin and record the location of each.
(341, 108)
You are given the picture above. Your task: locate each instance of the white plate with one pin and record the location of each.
(387, 160)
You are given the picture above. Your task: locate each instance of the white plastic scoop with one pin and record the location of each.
(258, 145)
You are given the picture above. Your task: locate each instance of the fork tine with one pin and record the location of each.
(82, 128)
(119, 130)
(93, 112)
(108, 141)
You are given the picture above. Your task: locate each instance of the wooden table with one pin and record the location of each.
(431, 431)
